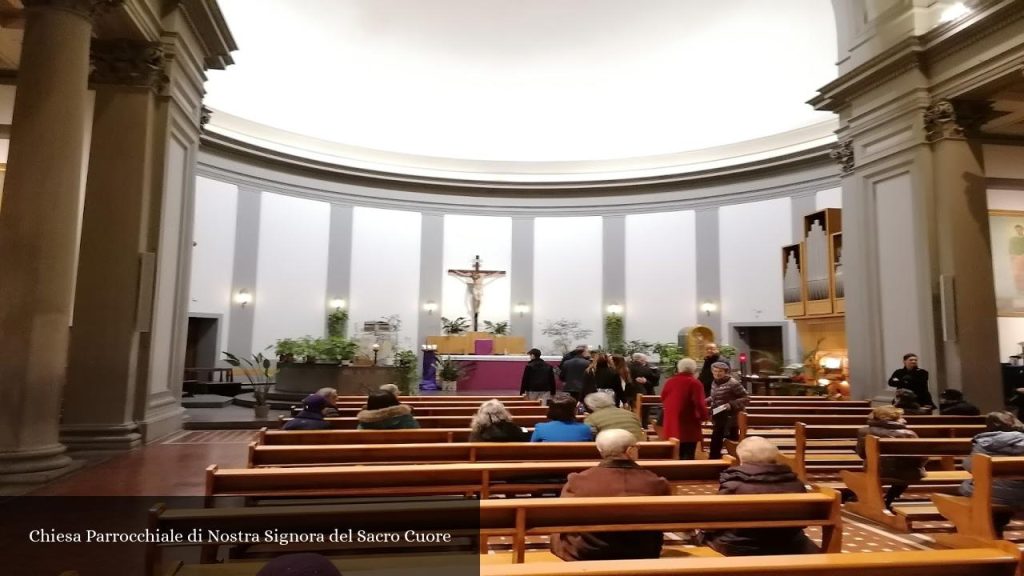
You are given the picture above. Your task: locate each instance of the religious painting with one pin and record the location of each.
(1006, 229)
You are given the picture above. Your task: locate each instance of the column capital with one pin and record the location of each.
(842, 153)
(955, 119)
(128, 63)
(83, 8)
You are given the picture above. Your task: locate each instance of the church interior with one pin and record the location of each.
(506, 287)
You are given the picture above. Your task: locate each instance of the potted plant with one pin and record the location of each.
(496, 328)
(405, 361)
(669, 355)
(287, 349)
(455, 326)
(613, 332)
(336, 349)
(337, 323)
(257, 371)
(448, 372)
(310, 349)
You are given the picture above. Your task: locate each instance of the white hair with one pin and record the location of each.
(390, 388)
(598, 400)
(327, 392)
(614, 442)
(686, 366)
(757, 450)
(637, 356)
(489, 414)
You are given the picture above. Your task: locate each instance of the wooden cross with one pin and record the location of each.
(475, 279)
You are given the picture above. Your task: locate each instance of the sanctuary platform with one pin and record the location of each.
(494, 373)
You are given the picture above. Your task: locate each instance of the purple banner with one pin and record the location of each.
(429, 381)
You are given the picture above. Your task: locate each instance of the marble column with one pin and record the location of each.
(39, 234)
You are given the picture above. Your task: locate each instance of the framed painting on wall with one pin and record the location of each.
(1007, 234)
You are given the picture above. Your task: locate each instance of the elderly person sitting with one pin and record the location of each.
(562, 425)
(1003, 436)
(393, 389)
(312, 415)
(493, 423)
(759, 473)
(684, 408)
(617, 475)
(331, 397)
(384, 412)
(605, 416)
(896, 471)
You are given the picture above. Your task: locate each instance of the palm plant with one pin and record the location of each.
(496, 328)
(256, 370)
(455, 326)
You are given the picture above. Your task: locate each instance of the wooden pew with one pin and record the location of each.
(443, 403)
(828, 448)
(972, 515)
(816, 402)
(479, 398)
(316, 437)
(520, 518)
(439, 421)
(465, 412)
(331, 455)
(868, 486)
(991, 561)
(862, 411)
(749, 422)
(483, 479)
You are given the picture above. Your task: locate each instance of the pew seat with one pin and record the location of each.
(973, 516)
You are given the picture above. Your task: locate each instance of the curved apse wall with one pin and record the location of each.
(296, 237)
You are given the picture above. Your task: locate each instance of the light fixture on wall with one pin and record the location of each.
(430, 307)
(614, 309)
(521, 309)
(957, 10)
(708, 307)
(243, 297)
(336, 303)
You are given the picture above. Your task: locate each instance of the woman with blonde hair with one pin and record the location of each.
(493, 423)
(897, 471)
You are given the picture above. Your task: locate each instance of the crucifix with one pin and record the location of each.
(475, 280)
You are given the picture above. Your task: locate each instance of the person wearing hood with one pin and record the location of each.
(897, 471)
(538, 378)
(759, 473)
(384, 412)
(952, 403)
(312, 415)
(728, 398)
(1004, 436)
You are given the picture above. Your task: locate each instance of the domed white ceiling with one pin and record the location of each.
(527, 81)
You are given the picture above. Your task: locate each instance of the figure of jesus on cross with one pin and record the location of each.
(475, 280)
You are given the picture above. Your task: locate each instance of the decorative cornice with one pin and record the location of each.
(946, 119)
(204, 117)
(84, 8)
(842, 153)
(129, 63)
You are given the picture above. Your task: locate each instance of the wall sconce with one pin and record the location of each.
(336, 303)
(954, 12)
(243, 297)
(614, 309)
(521, 309)
(708, 307)
(430, 307)
(376, 350)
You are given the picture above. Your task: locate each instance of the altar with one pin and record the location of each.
(478, 343)
(495, 373)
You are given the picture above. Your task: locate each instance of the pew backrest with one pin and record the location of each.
(407, 436)
(437, 421)
(748, 422)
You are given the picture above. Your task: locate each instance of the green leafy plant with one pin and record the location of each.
(336, 349)
(614, 329)
(309, 349)
(405, 361)
(449, 370)
(256, 370)
(287, 349)
(670, 354)
(641, 346)
(496, 328)
(337, 323)
(565, 333)
(727, 351)
(454, 326)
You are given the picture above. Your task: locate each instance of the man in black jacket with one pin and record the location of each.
(912, 378)
(711, 356)
(572, 371)
(538, 378)
(643, 373)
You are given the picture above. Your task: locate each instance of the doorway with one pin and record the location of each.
(203, 342)
(764, 345)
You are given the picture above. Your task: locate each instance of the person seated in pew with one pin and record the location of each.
(393, 389)
(384, 412)
(618, 474)
(759, 473)
(1003, 436)
(300, 564)
(952, 403)
(562, 425)
(906, 400)
(493, 423)
(331, 396)
(606, 416)
(312, 415)
(897, 471)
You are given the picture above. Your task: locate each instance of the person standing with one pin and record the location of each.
(538, 378)
(643, 373)
(684, 408)
(601, 375)
(711, 356)
(912, 378)
(573, 372)
(728, 398)
(629, 388)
